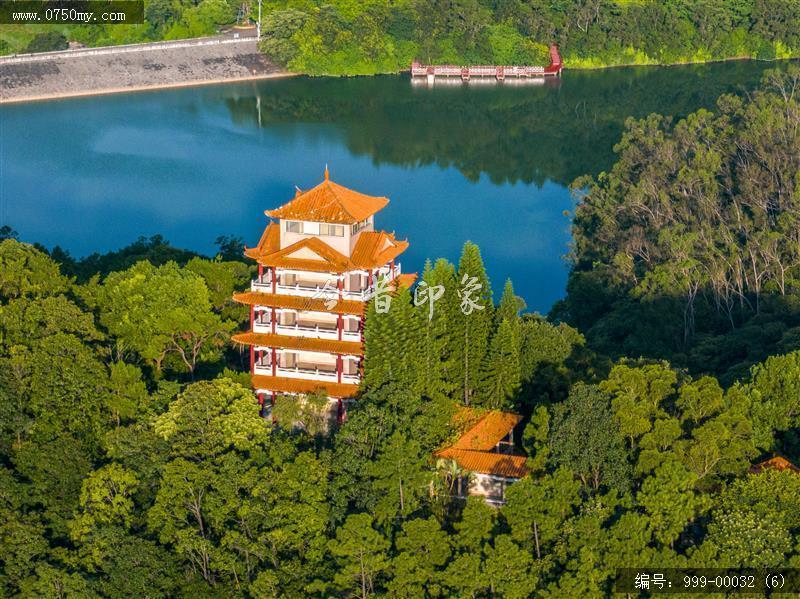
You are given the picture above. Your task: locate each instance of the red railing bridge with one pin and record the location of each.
(499, 72)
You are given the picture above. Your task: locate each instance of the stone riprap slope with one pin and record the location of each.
(128, 68)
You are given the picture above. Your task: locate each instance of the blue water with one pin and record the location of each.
(94, 174)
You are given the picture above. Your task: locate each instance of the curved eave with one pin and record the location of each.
(484, 462)
(295, 302)
(280, 384)
(328, 346)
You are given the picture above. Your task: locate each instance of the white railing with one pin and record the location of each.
(331, 292)
(318, 332)
(263, 369)
(449, 70)
(262, 327)
(264, 284)
(303, 290)
(315, 374)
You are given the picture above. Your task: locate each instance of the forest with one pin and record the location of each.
(134, 461)
(349, 37)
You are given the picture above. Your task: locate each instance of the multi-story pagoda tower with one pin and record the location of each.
(319, 262)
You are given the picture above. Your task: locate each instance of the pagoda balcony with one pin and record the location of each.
(262, 283)
(316, 331)
(317, 374)
(307, 372)
(317, 288)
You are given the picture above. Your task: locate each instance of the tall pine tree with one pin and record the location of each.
(502, 376)
(510, 305)
(472, 321)
(436, 327)
(393, 345)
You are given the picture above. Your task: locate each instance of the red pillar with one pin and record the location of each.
(274, 280)
(369, 279)
(272, 403)
(339, 286)
(273, 321)
(274, 365)
(391, 270)
(339, 368)
(339, 323)
(260, 272)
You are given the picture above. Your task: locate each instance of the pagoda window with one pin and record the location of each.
(362, 225)
(331, 230)
(294, 226)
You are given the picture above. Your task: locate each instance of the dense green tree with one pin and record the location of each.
(436, 310)
(509, 570)
(393, 341)
(671, 501)
(684, 246)
(106, 500)
(537, 509)
(502, 370)
(162, 312)
(422, 550)
(471, 325)
(401, 477)
(775, 398)
(25, 271)
(361, 554)
(585, 438)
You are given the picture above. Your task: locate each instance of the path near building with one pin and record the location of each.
(88, 71)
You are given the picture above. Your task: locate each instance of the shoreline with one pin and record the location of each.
(142, 88)
(679, 64)
(278, 74)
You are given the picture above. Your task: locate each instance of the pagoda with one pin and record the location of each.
(320, 260)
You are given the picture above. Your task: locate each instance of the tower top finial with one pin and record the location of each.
(327, 173)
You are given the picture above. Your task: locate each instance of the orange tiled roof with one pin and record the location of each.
(281, 384)
(376, 248)
(406, 280)
(296, 302)
(777, 463)
(330, 202)
(270, 242)
(473, 450)
(328, 259)
(372, 250)
(488, 431)
(486, 462)
(330, 346)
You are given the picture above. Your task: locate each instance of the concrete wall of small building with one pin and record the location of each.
(488, 486)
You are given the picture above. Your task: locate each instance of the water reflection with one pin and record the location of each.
(514, 131)
(488, 163)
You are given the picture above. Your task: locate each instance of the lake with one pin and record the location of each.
(483, 162)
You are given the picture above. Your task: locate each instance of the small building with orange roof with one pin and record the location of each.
(485, 454)
(775, 463)
(320, 260)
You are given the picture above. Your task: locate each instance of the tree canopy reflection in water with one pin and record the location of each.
(512, 132)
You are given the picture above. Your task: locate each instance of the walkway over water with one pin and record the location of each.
(499, 72)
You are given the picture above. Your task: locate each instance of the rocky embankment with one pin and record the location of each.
(129, 68)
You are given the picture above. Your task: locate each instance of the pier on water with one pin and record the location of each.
(498, 72)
